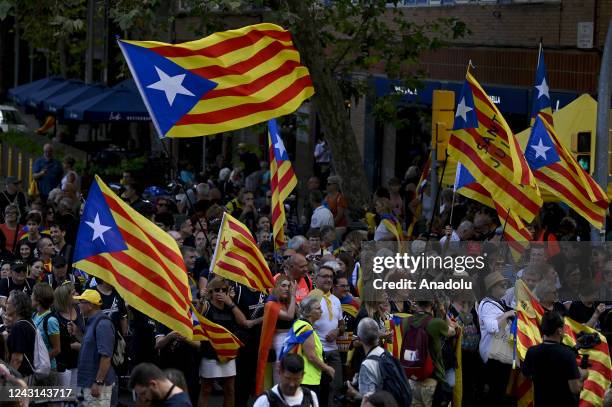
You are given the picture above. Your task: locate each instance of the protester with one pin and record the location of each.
(370, 379)
(12, 196)
(151, 385)
(47, 171)
(296, 268)
(47, 324)
(336, 202)
(67, 312)
(96, 376)
(289, 390)
(9, 227)
(20, 340)
(17, 281)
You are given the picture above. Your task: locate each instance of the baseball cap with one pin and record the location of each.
(59, 261)
(19, 267)
(91, 296)
(11, 180)
(334, 179)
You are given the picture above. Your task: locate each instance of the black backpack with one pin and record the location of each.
(275, 401)
(393, 378)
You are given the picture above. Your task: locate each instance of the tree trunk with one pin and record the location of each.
(63, 62)
(331, 109)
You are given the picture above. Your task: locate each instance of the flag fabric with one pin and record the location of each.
(558, 171)
(296, 338)
(528, 316)
(393, 226)
(515, 231)
(282, 182)
(419, 190)
(238, 258)
(350, 305)
(268, 330)
(600, 368)
(225, 344)
(142, 262)
(425, 173)
(485, 145)
(396, 325)
(541, 97)
(223, 82)
(357, 279)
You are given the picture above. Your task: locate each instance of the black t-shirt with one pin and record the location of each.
(251, 303)
(580, 312)
(178, 400)
(7, 285)
(21, 340)
(68, 358)
(225, 318)
(114, 307)
(551, 365)
(176, 354)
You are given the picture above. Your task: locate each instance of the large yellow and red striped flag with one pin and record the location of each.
(226, 81)
(485, 145)
(282, 181)
(558, 171)
(141, 261)
(225, 344)
(238, 258)
(528, 316)
(600, 368)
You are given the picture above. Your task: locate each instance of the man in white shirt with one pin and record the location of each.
(321, 216)
(328, 328)
(288, 391)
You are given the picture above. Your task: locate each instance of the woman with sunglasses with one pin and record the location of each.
(220, 309)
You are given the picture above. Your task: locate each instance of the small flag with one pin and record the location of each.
(141, 261)
(225, 344)
(238, 258)
(226, 81)
(350, 305)
(541, 95)
(282, 181)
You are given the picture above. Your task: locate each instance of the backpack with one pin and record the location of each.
(393, 378)
(42, 363)
(415, 356)
(275, 401)
(119, 347)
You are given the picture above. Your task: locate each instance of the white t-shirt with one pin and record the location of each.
(296, 400)
(382, 233)
(321, 217)
(324, 325)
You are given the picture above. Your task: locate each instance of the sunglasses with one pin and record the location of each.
(220, 290)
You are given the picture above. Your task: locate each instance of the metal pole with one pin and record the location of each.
(106, 45)
(602, 145)
(16, 46)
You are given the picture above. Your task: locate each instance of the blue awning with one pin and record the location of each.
(19, 94)
(37, 98)
(111, 106)
(57, 103)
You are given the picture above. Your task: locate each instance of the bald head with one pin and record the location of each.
(296, 267)
(48, 151)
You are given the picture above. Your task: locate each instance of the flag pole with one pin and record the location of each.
(450, 219)
(435, 203)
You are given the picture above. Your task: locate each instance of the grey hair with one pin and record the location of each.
(367, 331)
(297, 242)
(465, 225)
(22, 303)
(308, 304)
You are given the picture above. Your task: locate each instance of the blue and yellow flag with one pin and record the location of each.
(296, 338)
(141, 261)
(226, 81)
(541, 93)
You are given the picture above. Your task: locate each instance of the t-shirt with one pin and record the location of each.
(7, 285)
(178, 400)
(52, 178)
(294, 400)
(96, 343)
(113, 307)
(176, 354)
(321, 217)
(551, 365)
(338, 202)
(251, 303)
(9, 234)
(324, 325)
(437, 329)
(52, 329)
(580, 312)
(21, 340)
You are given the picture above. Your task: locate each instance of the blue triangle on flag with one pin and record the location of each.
(98, 232)
(463, 177)
(541, 95)
(280, 153)
(540, 150)
(465, 114)
(168, 90)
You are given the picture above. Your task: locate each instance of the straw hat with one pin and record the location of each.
(492, 279)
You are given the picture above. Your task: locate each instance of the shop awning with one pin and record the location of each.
(58, 102)
(37, 98)
(19, 94)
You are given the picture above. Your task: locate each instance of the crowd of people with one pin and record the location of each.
(326, 346)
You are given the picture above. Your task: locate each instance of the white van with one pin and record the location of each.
(10, 119)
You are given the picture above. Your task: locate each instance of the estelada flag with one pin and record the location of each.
(226, 81)
(485, 145)
(142, 262)
(238, 258)
(225, 343)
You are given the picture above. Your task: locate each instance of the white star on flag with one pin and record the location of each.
(540, 149)
(462, 110)
(543, 89)
(280, 147)
(170, 85)
(98, 229)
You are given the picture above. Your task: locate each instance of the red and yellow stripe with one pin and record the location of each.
(150, 275)
(238, 258)
(225, 344)
(282, 182)
(258, 72)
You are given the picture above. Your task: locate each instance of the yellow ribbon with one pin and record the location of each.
(329, 305)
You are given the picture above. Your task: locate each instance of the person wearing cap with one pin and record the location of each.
(60, 274)
(336, 202)
(47, 171)
(13, 196)
(95, 374)
(494, 316)
(17, 281)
